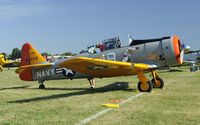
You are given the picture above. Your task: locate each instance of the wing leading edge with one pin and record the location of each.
(104, 68)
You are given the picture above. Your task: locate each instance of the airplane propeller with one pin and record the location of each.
(182, 55)
(185, 47)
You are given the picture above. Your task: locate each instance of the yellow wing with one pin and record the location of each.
(27, 67)
(103, 68)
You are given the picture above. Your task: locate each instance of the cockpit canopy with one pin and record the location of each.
(112, 43)
(106, 44)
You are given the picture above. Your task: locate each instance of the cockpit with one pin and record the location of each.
(106, 44)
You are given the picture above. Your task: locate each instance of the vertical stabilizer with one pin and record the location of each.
(31, 56)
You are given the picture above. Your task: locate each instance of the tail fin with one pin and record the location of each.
(31, 56)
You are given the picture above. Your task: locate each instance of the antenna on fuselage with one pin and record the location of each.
(130, 39)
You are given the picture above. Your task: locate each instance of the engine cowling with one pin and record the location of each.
(165, 51)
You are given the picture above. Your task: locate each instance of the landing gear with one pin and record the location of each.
(158, 83)
(145, 87)
(1, 68)
(92, 82)
(193, 68)
(41, 84)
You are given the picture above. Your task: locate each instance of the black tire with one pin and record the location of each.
(159, 81)
(42, 86)
(148, 88)
(193, 68)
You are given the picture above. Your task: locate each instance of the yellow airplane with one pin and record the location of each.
(4, 62)
(142, 56)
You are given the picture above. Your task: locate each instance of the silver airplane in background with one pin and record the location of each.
(192, 58)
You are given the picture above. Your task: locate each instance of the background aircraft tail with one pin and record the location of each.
(31, 56)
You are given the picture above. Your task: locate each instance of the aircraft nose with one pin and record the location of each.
(178, 50)
(181, 56)
(185, 47)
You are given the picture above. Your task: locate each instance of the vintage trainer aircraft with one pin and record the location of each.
(139, 57)
(4, 62)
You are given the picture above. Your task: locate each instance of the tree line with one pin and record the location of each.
(16, 54)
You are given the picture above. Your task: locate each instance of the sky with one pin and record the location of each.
(58, 26)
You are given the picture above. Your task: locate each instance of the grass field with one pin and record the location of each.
(67, 102)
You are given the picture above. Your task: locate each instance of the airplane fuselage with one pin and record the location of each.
(56, 73)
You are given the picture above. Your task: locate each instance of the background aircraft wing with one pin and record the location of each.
(186, 61)
(11, 64)
(27, 67)
(104, 68)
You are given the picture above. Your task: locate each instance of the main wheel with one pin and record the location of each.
(159, 84)
(41, 86)
(145, 87)
(193, 68)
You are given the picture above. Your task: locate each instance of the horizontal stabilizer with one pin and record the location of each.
(27, 67)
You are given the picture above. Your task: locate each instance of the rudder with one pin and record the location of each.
(31, 56)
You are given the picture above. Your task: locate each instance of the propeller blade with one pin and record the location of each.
(182, 55)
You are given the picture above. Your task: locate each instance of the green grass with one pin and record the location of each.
(68, 102)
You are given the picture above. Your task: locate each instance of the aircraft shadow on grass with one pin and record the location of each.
(175, 70)
(117, 86)
(10, 88)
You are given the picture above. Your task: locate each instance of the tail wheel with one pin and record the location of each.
(159, 83)
(41, 86)
(145, 87)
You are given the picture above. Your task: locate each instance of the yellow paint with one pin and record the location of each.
(26, 67)
(141, 66)
(157, 83)
(109, 105)
(155, 75)
(142, 77)
(110, 68)
(2, 60)
(35, 56)
(5, 62)
(144, 86)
